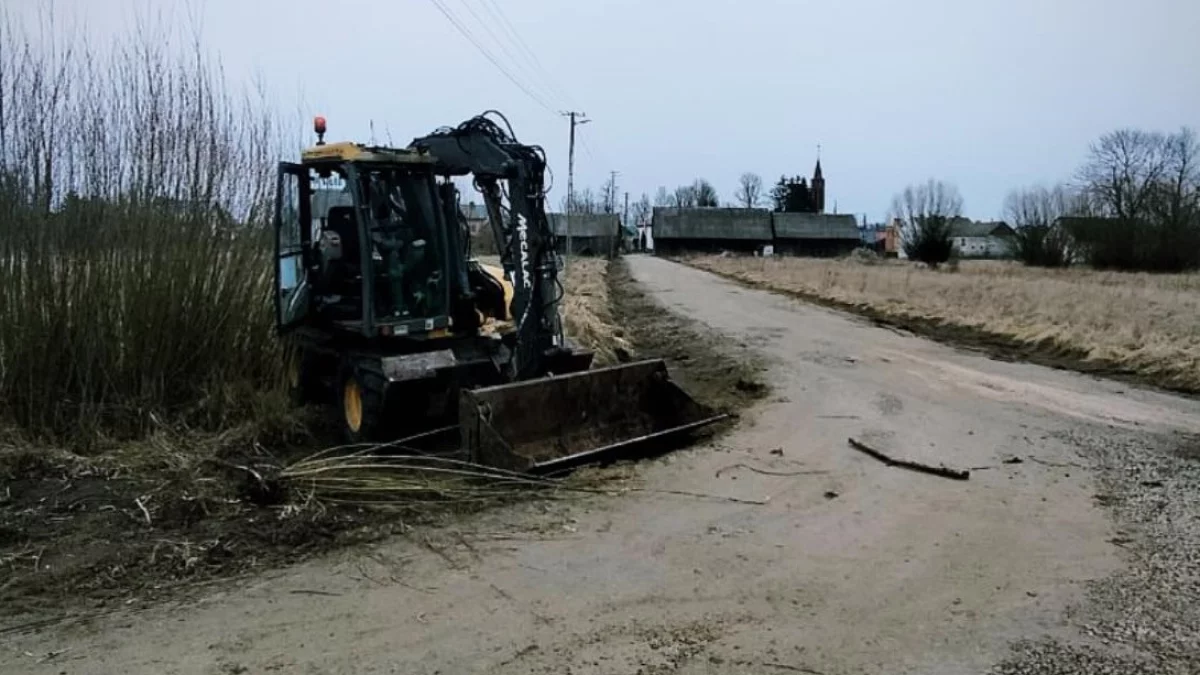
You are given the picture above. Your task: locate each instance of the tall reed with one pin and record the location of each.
(135, 252)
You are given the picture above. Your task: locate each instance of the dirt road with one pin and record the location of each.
(861, 569)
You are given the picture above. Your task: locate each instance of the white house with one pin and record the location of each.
(981, 239)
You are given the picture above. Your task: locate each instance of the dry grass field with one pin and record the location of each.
(1142, 324)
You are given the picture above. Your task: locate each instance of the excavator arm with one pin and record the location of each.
(511, 178)
(547, 423)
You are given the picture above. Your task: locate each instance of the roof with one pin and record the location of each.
(586, 224)
(965, 227)
(711, 224)
(815, 226)
(356, 152)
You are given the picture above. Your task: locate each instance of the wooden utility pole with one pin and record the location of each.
(625, 218)
(610, 199)
(576, 119)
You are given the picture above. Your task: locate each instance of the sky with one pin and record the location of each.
(987, 95)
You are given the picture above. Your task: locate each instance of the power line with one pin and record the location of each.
(488, 55)
(530, 56)
(515, 60)
(588, 149)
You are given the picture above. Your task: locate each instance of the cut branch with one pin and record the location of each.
(944, 472)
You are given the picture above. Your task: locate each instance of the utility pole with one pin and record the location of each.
(610, 199)
(625, 218)
(576, 119)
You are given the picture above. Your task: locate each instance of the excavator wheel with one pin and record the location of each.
(360, 406)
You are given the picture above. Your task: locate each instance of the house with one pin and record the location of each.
(885, 239)
(482, 240)
(596, 234)
(675, 230)
(979, 239)
(476, 216)
(815, 234)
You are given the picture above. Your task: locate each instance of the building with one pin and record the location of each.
(974, 239)
(476, 216)
(815, 234)
(597, 234)
(710, 230)
(482, 240)
(797, 195)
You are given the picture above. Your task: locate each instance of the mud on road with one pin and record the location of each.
(805, 556)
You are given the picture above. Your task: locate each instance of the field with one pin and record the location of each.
(1141, 325)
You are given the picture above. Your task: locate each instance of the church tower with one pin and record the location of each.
(818, 188)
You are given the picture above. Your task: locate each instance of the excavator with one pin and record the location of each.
(391, 322)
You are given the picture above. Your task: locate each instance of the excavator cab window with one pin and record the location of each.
(335, 258)
(407, 250)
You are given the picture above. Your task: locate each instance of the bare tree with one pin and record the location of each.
(706, 194)
(1123, 170)
(1147, 185)
(750, 190)
(1041, 206)
(585, 202)
(927, 212)
(684, 197)
(1178, 200)
(1034, 212)
(609, 194)
(642, 210)
(662, 197)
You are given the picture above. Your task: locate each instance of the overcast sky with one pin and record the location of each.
(986, 94)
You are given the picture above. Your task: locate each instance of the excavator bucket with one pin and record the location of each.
(566, 420)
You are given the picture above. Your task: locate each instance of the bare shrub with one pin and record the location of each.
(1040, 240)
(135, 251)
(927, 212)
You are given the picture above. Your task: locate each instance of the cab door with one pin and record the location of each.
(293, 243)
